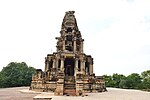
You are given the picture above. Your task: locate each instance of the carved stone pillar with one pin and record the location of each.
(63, 45)
(46, 65)
(82, 66)
(91, 66)
(81, 46)
(62, 64)
(74, 45)
(54, 63)
(76, 66)
(86, 70)
(91, 69)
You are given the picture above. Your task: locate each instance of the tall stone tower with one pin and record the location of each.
(69, 70)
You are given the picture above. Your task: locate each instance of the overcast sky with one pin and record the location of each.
(116, 32)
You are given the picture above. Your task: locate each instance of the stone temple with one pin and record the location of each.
(69, 71)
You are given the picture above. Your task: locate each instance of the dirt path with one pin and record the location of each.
(112, 94)
(15, 94)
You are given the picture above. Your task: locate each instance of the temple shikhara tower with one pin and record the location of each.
(68, 71)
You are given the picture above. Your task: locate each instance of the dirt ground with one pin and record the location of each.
(112, 94)
(15, 94)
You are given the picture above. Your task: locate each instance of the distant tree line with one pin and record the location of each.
(16, 75)
(20, 74)
(132, 81)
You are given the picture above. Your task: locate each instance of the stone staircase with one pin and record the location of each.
(69, 86)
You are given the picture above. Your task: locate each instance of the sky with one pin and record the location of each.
(116, 32)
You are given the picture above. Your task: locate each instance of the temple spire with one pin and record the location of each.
(70, 39)
(69, 21)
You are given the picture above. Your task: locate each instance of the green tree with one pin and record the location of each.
(16, 74)
(109, 81)
(117, 78)
(133, 81)
(146, 79)
(123, 84)
(114, 80)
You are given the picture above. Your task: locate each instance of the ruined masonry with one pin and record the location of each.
(69, 71)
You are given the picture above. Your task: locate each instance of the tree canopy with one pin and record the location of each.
(146, 79)
(16, 74)
(132, 81)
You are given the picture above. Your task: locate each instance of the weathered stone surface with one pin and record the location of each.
(69, 71)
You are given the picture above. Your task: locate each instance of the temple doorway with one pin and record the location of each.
(69, 67)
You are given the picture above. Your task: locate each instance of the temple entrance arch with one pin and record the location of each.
(69, 66)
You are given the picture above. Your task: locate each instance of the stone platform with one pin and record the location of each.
(43, 96)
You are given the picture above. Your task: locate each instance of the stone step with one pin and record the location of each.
(69, 78)
(69, 86)
(68, 82)
(69, 92)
